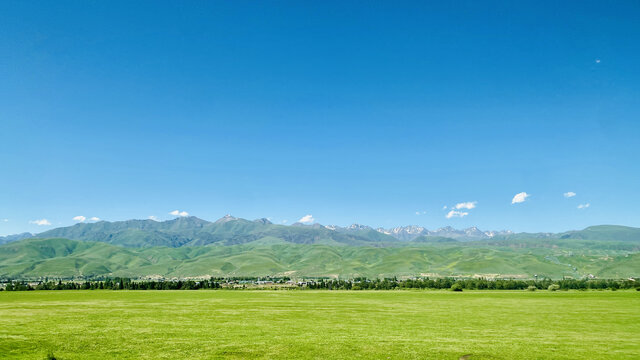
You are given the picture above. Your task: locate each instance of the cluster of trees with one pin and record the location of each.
(115, 284)
(327, 284)
(472, 284)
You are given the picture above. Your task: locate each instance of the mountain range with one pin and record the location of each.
(229, 230)
(230, 246)
(16, 237)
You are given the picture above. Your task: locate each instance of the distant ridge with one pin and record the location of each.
(16, 237)
(410, 232)
(230, 230)
(605, 232)
(193, 231)
(230, 246)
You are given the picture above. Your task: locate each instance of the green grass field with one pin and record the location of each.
(320, 324)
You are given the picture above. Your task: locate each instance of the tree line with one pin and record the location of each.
(475, 284)
(114, 284)
(329, 284)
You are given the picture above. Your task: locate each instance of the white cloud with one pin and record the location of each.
(420, 212)
(454, 213)
(154, 218)
(597, 61)
(5, 220)
(179, 213)
(466, 205)
(94, 218)
(307, 219)
(79, 218)
(520, 197)
(444, 207)
(417, 212)
(40, 222)
(584, 206)
(569, 194)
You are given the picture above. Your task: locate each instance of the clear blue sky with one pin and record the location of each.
(361, 112)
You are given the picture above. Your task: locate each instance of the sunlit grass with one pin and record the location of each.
(319, 324)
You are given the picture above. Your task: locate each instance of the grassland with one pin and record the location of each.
(320, 324)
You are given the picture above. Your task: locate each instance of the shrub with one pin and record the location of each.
(554, 287)
(532, 288)
(456, 287)
(50, 356)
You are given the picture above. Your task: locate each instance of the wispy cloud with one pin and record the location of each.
(154, 218)
(79, 218)
(520, 198)
(584, 206)
(569, 194)
(457, 209)
(40, 222)
(466, 205)
(420, 212)
(307, 219)
(94, 218)
(179, 213)
(455, 213)
(5, 220)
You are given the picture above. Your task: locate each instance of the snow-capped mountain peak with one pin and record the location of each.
(411, 232)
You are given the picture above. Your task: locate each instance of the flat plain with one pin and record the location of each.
(208, 324)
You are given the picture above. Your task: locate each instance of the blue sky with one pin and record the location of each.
(379, 114)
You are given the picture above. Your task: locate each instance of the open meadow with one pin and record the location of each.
(320, 324)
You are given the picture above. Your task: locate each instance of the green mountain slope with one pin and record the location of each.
(190, 246)
(33, 258)
(191, 231)
(605, 233)
(15, 237)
